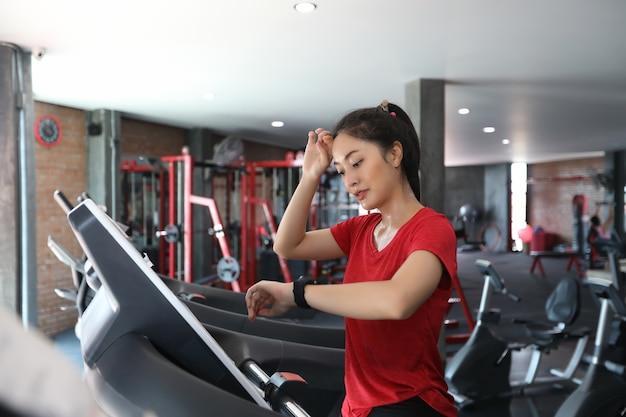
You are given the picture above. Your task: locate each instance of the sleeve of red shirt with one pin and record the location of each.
(436, 235)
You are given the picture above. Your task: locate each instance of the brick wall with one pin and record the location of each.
(254, 151)
(62, 167)
(550, 197)
(150, 139)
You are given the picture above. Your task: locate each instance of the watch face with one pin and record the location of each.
(48, 130)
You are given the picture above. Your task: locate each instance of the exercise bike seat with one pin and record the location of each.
(562, 310)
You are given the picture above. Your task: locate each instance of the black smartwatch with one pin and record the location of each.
(298, 290)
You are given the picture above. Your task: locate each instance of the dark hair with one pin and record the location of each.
(384, 125)
(595, 220)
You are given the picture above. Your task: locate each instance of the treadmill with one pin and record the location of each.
(146, 353)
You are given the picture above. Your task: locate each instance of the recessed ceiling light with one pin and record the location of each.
(305, 7)
(489, 129)
(505, 141)
(278, 123)
(464, 110)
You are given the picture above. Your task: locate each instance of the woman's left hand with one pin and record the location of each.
(318, 153)
(269, 299)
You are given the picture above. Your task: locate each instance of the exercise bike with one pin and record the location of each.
(481, 368)
(602, 393)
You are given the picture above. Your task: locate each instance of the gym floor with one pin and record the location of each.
(533, 289)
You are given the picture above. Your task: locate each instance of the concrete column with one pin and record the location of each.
(615, 162)
(18, 256)
(104, 159)
(200, 143)
(425, 105)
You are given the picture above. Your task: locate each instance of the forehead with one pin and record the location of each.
(346, 145)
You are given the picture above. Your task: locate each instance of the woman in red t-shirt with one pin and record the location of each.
(401, 260)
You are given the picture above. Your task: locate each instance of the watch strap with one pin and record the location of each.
(298, 290)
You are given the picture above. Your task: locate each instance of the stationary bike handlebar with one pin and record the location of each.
(510, 295)
(497, 283)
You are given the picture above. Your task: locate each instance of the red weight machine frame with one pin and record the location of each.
(188, 200)
(248, 223)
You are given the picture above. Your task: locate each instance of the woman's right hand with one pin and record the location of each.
(318, 153)
(269, 299)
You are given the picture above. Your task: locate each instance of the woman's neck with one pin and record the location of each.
(399, 211)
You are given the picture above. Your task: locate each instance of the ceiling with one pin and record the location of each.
(549, 75)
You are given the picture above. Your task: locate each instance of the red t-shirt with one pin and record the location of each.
(388, 361)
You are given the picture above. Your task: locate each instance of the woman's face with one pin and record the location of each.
(364, 171)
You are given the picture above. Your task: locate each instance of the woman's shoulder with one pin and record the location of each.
(359, 222)
(429, 220)
(427, 214)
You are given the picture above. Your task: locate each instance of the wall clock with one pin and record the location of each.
(48, 130)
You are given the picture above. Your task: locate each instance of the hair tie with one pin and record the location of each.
(384, 106)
